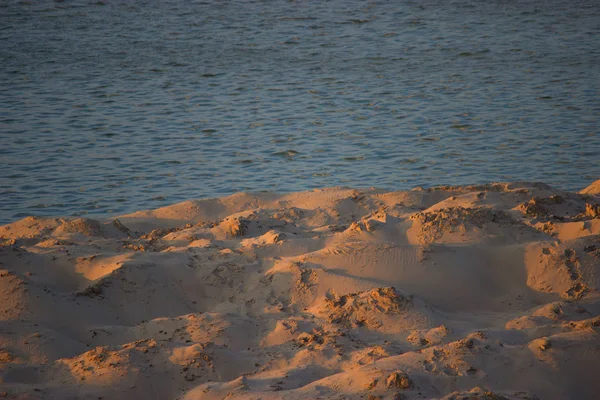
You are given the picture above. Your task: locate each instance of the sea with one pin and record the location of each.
(108, 107)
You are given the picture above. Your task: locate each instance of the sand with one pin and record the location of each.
(471, 292)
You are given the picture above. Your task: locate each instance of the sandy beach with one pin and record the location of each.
(470, 292)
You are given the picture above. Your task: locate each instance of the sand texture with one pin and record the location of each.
(471, 292)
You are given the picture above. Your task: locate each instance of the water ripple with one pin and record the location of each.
(114, 106)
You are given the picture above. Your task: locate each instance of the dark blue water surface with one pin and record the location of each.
(114, 106)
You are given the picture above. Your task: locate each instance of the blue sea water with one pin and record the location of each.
(112, 106)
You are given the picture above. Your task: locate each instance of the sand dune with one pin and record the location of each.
(471, 292)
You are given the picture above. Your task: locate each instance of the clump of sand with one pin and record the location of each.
(455, 292)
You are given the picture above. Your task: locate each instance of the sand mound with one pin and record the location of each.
(478, 393)
(84, 226)
(571, 269)
(33, 230)
(553, 208)
(466, 292)
(458, 225)
(593, 189)
(383, 309)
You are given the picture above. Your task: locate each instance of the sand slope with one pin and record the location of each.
(472, 292)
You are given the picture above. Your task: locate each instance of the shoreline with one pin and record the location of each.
(111, 212)
(454, 292)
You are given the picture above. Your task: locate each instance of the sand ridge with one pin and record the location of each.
(455, 292)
